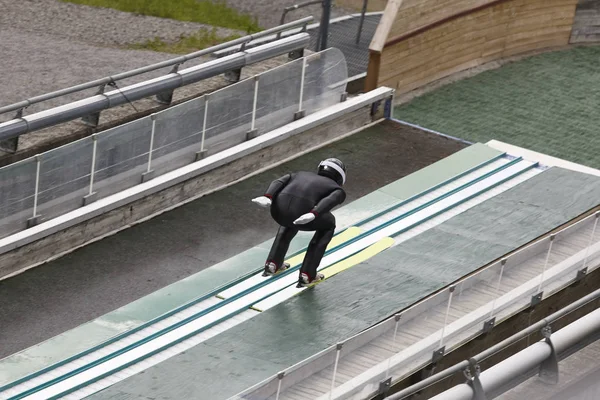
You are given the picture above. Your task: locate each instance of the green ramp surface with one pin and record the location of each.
(367, 293)
(420, 159)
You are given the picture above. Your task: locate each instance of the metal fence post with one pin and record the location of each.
(166, 97)
(252, 133)
(397, 318)
(35, 217)
(280, 377)
(362, 20)
(337, 359)
(149, 174)
(91, 196)
(93, 119)
(300, 113)
(535, 299)
(437, 354)
(489, 324)
(324, 26)
(202, 153)
(587, 250)
(549, 367)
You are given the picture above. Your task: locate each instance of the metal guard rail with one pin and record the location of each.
(95, 104)
(175, 61)
(472, 363)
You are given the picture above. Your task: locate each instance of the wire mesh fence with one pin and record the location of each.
(66, 178)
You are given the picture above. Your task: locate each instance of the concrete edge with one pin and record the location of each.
(197, 168)
(178, 293)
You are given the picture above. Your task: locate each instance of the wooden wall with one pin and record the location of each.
(415, 14)
(457, 38)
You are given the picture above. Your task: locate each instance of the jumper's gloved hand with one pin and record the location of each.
(262, 201)
(304, 219)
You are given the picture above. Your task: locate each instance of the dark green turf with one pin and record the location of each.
(548, 103)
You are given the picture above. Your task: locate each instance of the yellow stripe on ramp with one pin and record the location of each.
(345, 236)
(294, 261)
(359, 257)
(330, 271)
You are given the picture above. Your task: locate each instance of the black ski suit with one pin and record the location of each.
(296, 194)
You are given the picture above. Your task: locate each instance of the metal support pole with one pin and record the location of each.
(253, 132)
(587, 251)
(280, 377)
(37, 184)
(34, 218)
(397, 319)
(552, 237)
(582, 272)
(549, 367)
(149, 174)
(166, 97)
(472, 374)
(301, 112)
(337, 359)
(94, 119)
(91, 196)
(202, 153)
(502, 265)
(451, 289)
(362, 20)
(324, 26)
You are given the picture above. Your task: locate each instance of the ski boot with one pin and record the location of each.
(271, 268)
(304, 280)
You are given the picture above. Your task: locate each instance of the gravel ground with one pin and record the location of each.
(103, 26)
(268, 12)
(47, 45)
(49, 63)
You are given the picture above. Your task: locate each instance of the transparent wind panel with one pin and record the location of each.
(278, 96)
(473, 303)
(229, 116)
(122, 157)
(64, 178)
(17, 189)
(324, 80)
(397, 352)
(177, 136)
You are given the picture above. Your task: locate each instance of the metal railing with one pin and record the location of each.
(91, 107)
(451, 335)
(101, 83)
(66, 178)
(546, 357)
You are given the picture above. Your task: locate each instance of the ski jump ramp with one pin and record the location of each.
(253, 337)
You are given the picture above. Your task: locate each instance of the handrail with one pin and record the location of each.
(93, 105)
(175, 61)
(295, 7)
(496, 348)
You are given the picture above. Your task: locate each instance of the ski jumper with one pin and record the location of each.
(296, 194)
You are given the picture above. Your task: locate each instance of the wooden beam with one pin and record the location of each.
(385, 25)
